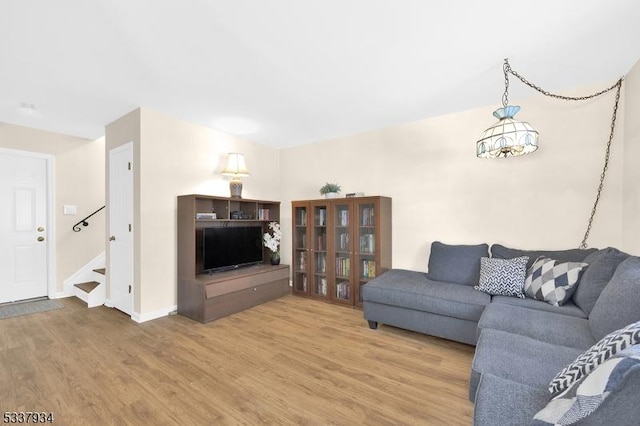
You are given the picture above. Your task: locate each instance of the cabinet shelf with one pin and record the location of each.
(342, 227)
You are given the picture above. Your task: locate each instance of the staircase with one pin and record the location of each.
(89, 282)
(92, 292)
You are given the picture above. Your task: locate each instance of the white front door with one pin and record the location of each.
(121, 227)
(23, 227)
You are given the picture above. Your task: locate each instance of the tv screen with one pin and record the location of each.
(231, 247)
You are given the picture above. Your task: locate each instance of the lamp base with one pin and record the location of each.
(235, 188)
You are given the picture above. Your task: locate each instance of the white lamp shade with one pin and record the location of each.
(508, 137)
(235, 165)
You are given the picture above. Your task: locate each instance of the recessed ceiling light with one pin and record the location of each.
(236, 125)
(28, 110)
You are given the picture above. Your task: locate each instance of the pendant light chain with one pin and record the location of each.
(583, 244)
(507, 69)
(618, 86)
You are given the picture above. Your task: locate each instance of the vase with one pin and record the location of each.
(275, 258)
(331, 195)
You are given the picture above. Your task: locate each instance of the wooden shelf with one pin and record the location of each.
(206, 297)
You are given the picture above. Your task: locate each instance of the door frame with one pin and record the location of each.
(50, 162)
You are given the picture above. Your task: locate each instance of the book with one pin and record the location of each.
(367, 243)
(342, 290)
(263, 214)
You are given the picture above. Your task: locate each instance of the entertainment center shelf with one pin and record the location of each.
(236, 209)
(206, 297)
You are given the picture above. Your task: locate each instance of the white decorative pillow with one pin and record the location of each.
(578, 402)
(504, 277)
(552, 282)
(610, 345)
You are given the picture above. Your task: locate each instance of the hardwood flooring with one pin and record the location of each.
(289, 361)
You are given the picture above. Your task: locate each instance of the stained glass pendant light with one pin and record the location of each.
(508, 137)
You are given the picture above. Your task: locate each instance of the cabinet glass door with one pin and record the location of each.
(301, 250)
(342, 290)
(319, 261)
(366, 252)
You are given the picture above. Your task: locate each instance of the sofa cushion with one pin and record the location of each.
(572, 255)
(594, 356)
(568, 308)
(506, 403)
(503, 277)
(557, 329)
(518, 358)
(602, 265)
(458, 264)
(584, 398)
(413, 290)
(551, 281)
(619, 302)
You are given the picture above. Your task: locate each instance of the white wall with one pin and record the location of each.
(171, 158)
(79, 180)
(441, 191)
(631, 200)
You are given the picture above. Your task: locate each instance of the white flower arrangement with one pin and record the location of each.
(272, 242)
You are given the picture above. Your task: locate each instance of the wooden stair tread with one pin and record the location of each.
(88, 286)
(100, 271)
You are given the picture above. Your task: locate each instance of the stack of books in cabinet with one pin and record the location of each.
(339, 245)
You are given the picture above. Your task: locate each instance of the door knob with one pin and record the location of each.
(112, 238)
(40, 229)
(40, 238)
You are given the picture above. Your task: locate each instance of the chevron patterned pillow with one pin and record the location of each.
(552, 282)
(503, 277)
(582, 400)
(610, 345)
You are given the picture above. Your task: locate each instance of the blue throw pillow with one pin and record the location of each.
(619, 302)
(602, 265)
(458, 264)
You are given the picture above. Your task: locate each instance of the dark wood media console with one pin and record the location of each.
(211, 296)
(207, 297)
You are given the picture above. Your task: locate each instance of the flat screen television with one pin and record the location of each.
(231, 247)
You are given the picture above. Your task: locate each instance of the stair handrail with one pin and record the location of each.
(83, 222)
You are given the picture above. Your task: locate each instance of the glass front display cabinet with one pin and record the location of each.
(339, 245)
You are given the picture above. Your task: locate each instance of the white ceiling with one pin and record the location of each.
(297, 71)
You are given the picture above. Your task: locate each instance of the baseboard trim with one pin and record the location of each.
(137, 317)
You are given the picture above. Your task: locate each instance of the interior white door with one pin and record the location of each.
(121, 227)
(23, 233)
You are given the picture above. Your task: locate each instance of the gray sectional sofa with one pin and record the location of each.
(521, 343)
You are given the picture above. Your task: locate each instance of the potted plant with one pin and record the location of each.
(272, 242)
(330, 190)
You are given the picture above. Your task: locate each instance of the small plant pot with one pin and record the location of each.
(331, 195)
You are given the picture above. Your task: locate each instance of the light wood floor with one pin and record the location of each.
(290, 361)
